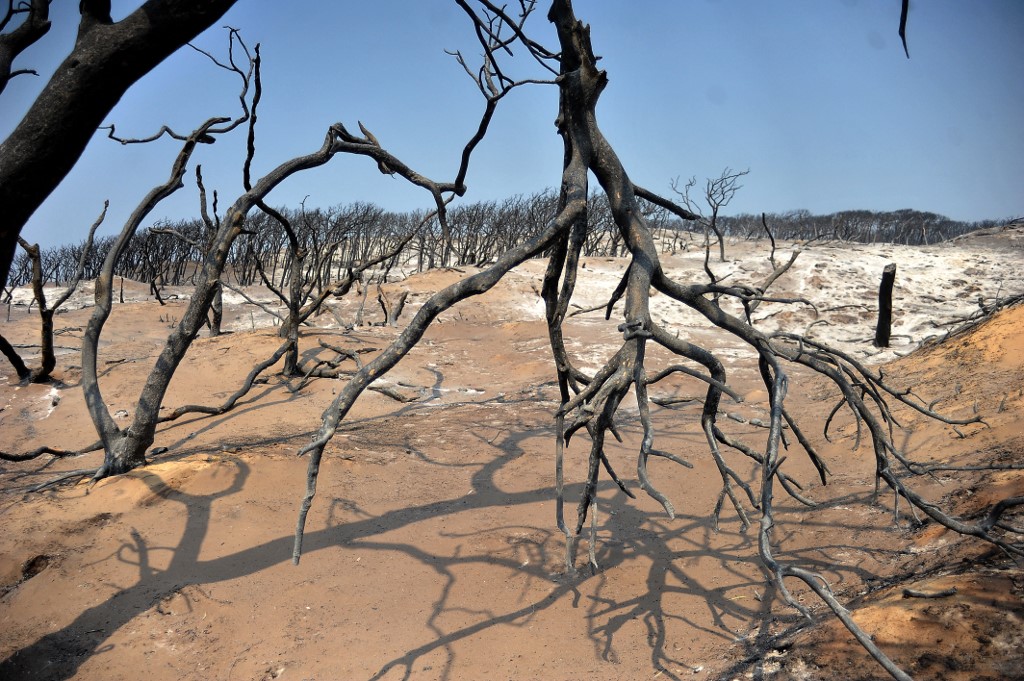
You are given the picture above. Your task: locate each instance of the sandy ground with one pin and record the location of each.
(431, 552)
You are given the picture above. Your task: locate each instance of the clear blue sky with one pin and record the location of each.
(814, 96)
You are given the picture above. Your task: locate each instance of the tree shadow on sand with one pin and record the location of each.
(627, 535)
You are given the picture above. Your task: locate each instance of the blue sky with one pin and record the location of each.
(815, 97)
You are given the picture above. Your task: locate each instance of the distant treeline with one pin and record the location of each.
(332, 240)
(906, 226)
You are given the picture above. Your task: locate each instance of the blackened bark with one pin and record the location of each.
(884, 328)
(154, 289)
(216, 318)
(14, 358)
(126, 449)
(396, 310)
(35, 26)
(106, 60)
(122, 450)
(290, 326)
(47, 361)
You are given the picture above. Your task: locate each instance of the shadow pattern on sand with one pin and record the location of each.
(668, 547)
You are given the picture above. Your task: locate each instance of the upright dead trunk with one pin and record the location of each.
(290, 325)
(47, 360)
(295, 258)
(884, 328)
(719, 235)
(216, 316)
(392, 311)
(121, 453)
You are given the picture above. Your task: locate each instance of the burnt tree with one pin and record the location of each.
(718, 193)
(590, 403)
(48, 359)
(107, 58)
(884, 328)
(125, 449)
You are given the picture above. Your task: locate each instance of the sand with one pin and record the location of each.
(432, 552)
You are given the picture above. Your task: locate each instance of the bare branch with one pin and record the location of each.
(30, 31)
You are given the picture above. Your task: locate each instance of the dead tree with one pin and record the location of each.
(884, 327)
(216, 316)
(126, 449)
(305, 265)
(392, 309)
(777, 270)
(718, 193)
(107, 58)
(48, 360)
(591, 403)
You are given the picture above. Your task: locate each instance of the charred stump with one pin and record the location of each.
(884, 328)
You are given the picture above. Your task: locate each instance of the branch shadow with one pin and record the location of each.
(627, 534)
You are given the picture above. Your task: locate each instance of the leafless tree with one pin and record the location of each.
(48, 359)
(34, 26)
(307, 274)
(479, 231)
(197, 245)
(107, 58)
(591, 403)
(718, 193)
(125, 449)
(904, 226)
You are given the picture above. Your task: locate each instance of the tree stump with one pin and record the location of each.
(884, 328)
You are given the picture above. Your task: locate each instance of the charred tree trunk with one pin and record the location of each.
(155, 290)
(290, 325)
(217, 311)
(48, 360)
(125, 450)
(362, 302)
(884, 328)
(108, 57)
(719, 235)
(391, 311)
(216, 316)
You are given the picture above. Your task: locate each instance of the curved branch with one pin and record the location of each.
(439, 302)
